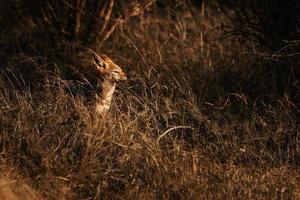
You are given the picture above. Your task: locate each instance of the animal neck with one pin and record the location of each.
(105, 96)
(108, 89)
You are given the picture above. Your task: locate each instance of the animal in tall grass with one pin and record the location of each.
(100, 75)
(88, 74)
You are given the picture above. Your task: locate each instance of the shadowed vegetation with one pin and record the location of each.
(209, 111)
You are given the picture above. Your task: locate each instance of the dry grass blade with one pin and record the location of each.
(172, 129)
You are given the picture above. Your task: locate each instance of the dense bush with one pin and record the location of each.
(88, 23)
(274, 28)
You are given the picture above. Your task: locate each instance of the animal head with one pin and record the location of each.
(108, 69)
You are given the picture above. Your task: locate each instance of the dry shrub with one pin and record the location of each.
(53, 23)
(186, 125)
(273, 29)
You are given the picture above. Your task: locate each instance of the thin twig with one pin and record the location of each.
(172, 129)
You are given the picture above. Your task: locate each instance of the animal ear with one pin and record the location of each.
(98, 61)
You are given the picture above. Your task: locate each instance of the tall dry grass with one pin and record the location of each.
(196, 120)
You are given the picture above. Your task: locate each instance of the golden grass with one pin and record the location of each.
(190, 123)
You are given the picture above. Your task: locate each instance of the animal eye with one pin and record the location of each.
(115, 72)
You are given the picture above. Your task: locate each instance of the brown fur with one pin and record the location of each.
(100, 72)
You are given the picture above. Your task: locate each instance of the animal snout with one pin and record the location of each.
(123, 76)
